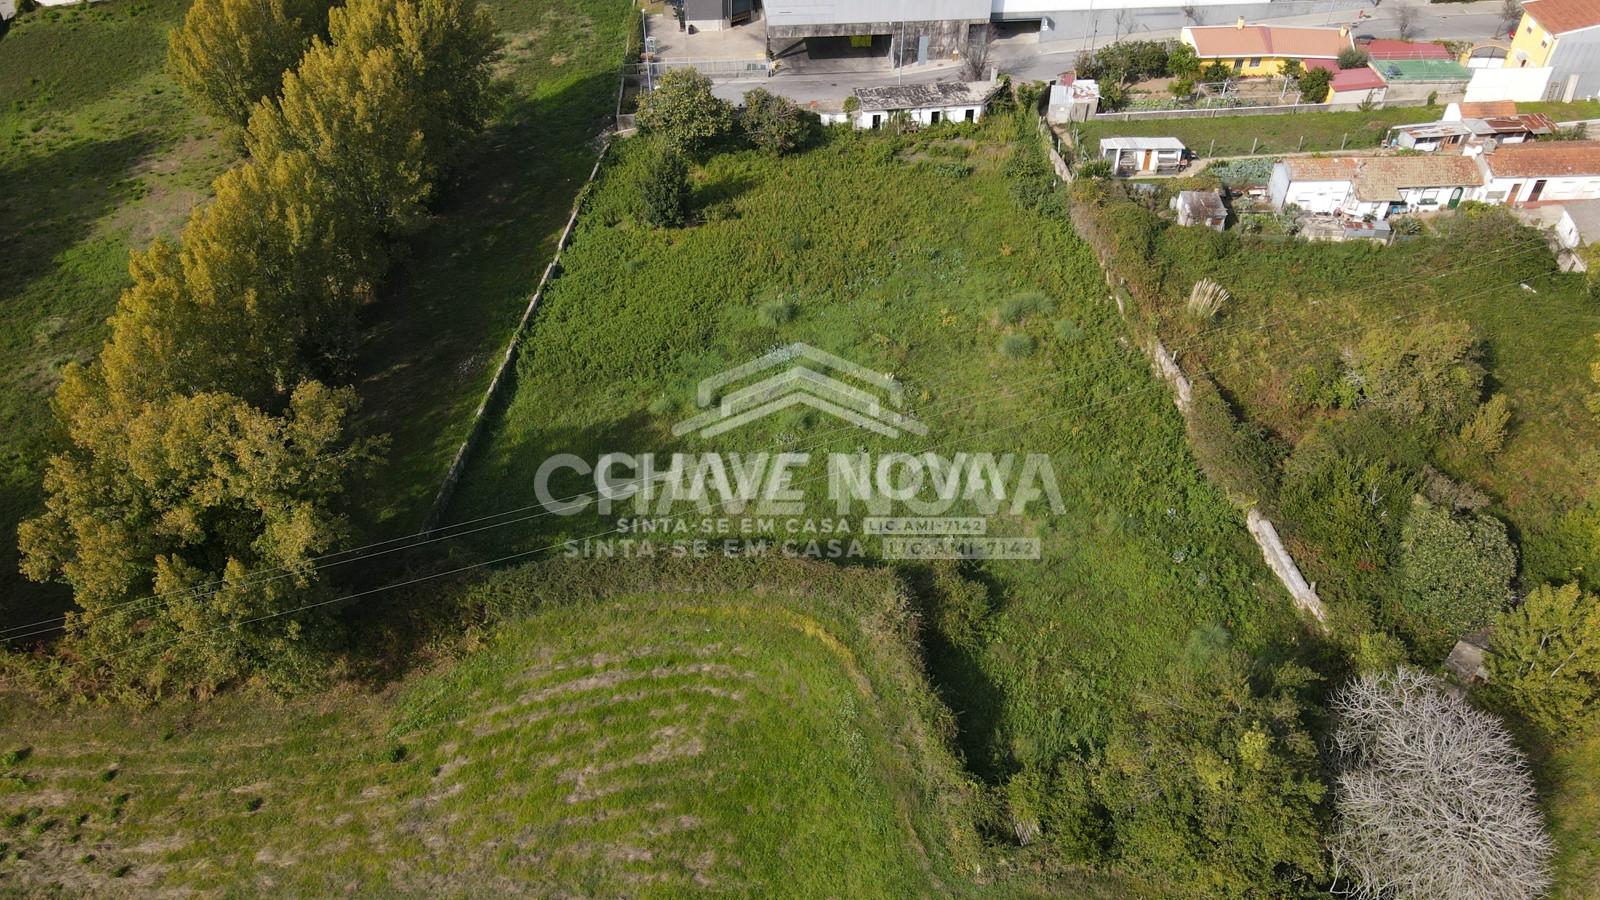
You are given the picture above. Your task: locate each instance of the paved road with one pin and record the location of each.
(1438, 21)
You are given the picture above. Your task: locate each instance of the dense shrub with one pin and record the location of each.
(1314, 85)
(775, 123)
(1352, 58)
(1237, 456)
(1127, 61)
(1020, 306)
(1455, 571)
(1346, 487)
(1210, 785)
(663, 187)
(1546, 659)
(1426, 373)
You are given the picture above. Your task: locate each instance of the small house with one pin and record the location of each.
(1314, 184)
(1201, 208)
(1542, 171)
(1264, 49)
(1143, 155)
(922, 104)
(1374, 186)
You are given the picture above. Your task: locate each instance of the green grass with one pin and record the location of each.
(906, 268)
(627, 732)
(1321, 131)
(99, 154)
(444, 322)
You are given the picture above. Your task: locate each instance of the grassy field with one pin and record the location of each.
(906, 256)
(435, 339)
(1323, 131)
(625, 732)
(99, 153)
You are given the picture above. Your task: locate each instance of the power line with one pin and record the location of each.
(1211, 372)
(426, 538)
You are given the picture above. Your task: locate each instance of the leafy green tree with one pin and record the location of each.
(1183, 62)
(1215, 72)
(380, 109)
(683, 111)
(185, 516)
(1314, 85)
(230, 54)
(1546, 659)
(1455, 571)
(664, 187)
(1428, 373)
(774, 123)
(262, 289)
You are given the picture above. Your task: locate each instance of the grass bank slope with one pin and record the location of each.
(643, 732)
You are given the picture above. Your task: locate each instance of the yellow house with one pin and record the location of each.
(1532, 46)
(1564, 36)
(1264, 49)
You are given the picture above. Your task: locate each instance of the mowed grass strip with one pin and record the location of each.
(755, 742)
(906, 256)
(99, 154)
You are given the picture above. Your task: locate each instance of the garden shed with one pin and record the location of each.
(1201, 208)
(1143, 155)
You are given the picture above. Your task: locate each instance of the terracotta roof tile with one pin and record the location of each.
(1543, 159)
(1322, 168)
(1383, 177)
(1227, 41)
(1562, 16)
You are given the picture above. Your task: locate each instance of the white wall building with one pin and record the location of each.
(922, 104)
(1375, 186)
(1541, 171)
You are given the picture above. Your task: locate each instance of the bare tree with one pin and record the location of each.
(1405, 21)
(1434, 799)
(1510, 13)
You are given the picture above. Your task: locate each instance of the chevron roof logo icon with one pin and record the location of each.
(871, 400)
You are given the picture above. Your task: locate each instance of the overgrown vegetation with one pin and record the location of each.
(1398, 411)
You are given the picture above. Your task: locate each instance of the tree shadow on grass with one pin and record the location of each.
(49, 203)
(433, 342)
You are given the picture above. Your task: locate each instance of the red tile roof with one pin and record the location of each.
(1383, 48)
(1359, 79)
(1231, 41)
(1545, 159)
(1562, 16)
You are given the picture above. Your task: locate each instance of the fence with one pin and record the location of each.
(650, 72)
(1134, 115)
